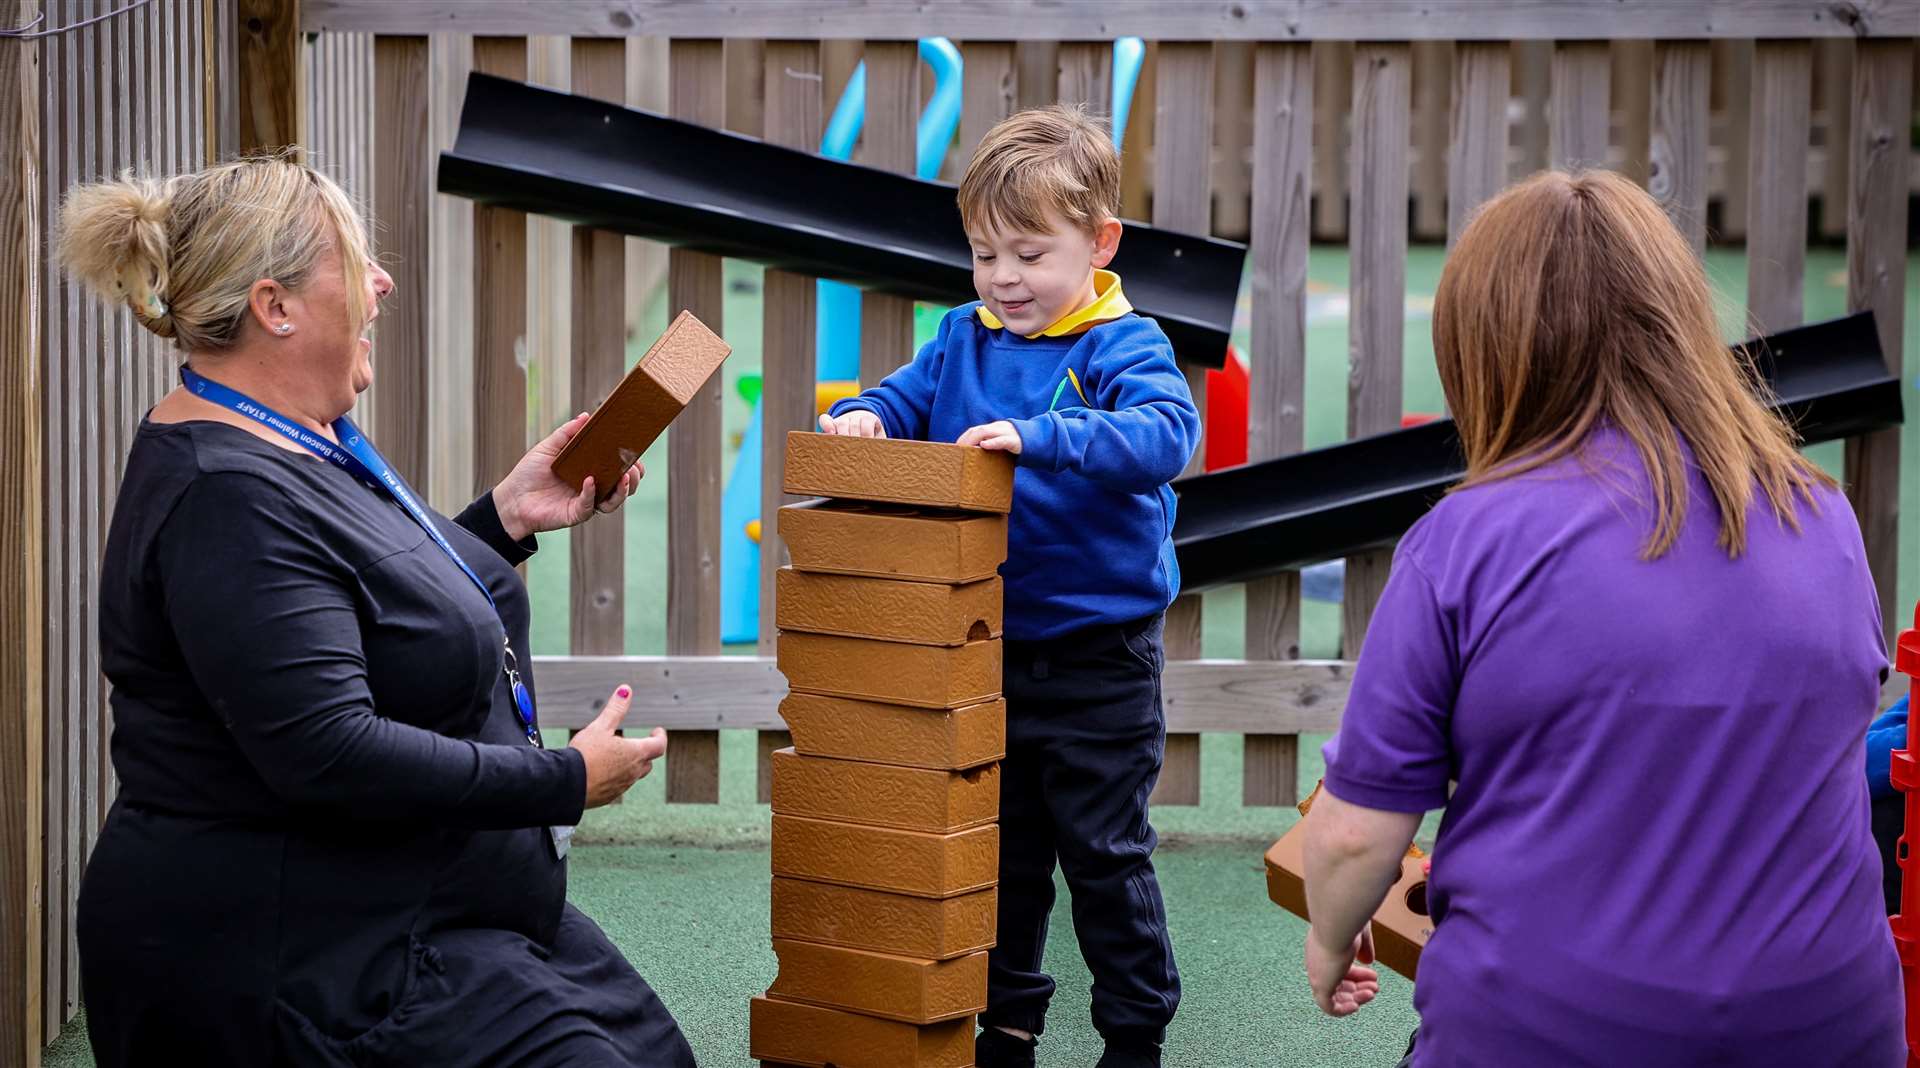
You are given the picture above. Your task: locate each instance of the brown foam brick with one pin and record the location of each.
(880, 858)
(925, 676)
(928, 927)
(908, 989)
(1401, 925)
(640, 407)
(893, 541)
(786, 1032)
(911, 799)
(948, 739)
(921, 613)
(929, 474)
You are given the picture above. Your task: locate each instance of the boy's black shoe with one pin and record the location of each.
(1131, 1055)
(994, 1048)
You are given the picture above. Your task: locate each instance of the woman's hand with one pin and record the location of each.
(532, 499)
(615, 763)
(1341, 986)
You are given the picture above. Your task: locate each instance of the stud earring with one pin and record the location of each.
(285, 328)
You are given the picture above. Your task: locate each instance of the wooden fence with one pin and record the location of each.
(1283, 122)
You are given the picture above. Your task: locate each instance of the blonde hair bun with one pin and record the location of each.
(113, 236)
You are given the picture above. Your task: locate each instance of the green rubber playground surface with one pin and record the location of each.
(683, 888)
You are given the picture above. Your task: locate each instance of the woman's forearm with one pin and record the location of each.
(1352, 860)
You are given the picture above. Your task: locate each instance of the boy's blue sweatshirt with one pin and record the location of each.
(1090, 538)
(1887, 733)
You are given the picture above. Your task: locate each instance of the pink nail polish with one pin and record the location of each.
(623, 693)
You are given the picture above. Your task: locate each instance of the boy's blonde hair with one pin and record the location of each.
(1052, 157)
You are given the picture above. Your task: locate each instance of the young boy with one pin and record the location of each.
(1052, 366)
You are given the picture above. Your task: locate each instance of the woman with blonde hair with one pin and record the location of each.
(338, 839)
(1642, 640)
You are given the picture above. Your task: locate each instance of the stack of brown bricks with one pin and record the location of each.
(885, 842)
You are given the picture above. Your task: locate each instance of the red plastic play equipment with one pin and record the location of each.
(1226, 435)
(1906, 779)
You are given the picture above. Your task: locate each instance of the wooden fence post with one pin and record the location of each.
(1276, 409)
(793, 119)
(1777, 195)
(893, 116)
(499, 306)
(1677, 155)
(1182, 200)
(1877, 279)
(22, 609)
(597, 616)
(696, 92)
(272, 84)
(402, 205)
(1382, 83)
(1582, 71)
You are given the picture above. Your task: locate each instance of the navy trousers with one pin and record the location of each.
(1085, 737)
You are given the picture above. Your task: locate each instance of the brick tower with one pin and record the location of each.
(885, 842)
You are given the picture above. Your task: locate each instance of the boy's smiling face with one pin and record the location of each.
(1029, 280)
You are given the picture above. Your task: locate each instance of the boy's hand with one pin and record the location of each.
(858, 423)
(998, 436)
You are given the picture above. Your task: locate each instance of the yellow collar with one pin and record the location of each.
(1109, 303)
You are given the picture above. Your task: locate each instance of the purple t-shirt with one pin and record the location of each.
(1658, 851)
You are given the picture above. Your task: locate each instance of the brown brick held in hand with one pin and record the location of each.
(640, 407)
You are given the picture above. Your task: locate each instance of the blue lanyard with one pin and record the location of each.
(357, 456)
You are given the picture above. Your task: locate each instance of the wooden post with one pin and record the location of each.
(500, 306)
(989, 90)
(1677, 165)
(1182, 200)
(1835, 78)
(450, 322)
(1233, 93)
(1736, 76)
(1477, 142)
(599, 358)
(22, 607)
(1086, 76)
(696, 93)
(1382, 83)
(402, 170)
(59, 326)
(1633, 92)
(787, 396)
(1533, 80)
(272, 89)
(1433, 80)
(1332, 101)
(1777, 195)
(1039, 80)
(893, 115)
(1877, 279)
(1581, 74)
(1276, 424)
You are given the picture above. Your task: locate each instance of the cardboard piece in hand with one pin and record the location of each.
(658, 388)
(1401, 925)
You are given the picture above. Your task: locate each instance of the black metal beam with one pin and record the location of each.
(1830, 379)
(614, 168)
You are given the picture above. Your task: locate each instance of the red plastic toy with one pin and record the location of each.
(1906, 779)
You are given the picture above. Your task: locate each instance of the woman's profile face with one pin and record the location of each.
(339, 347)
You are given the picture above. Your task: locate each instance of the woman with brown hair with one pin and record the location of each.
(1642, 639)
(338, 839)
